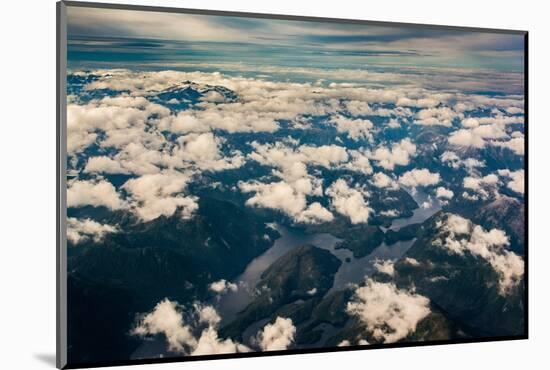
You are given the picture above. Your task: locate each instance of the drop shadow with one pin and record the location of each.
(46, 358)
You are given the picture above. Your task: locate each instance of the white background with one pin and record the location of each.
(27, 182)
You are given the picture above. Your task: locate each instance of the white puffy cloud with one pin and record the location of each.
(389, 313)
(210, 344)
(282, 156)
(517, 182)
(516, 144)
(104, 164)
(94, 193)
(203, 151)
(462, 236)
(277, 336)
(435, 117)
(482, 185)
(419, 177)
(418, 103)
(470, 122)
(385, 267)
(444, 193)
(324, 155)
(451, 159)
(349, 202)
(411, 261)
(232, 118)
(207, 314)
(356, 129)
(108, 115)
(222, 286)
(466, 138)
(81, 230)
(398, 155)
(381, 180)
(160, 194)
(167, 319)
(359, 162)
(287, 198)
(314, 213)
(477, 136)
(358, 108)
(514, 110)
(389, 213)
(290, 195)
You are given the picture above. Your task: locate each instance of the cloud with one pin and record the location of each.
(359, 162)
(290, 195)
(314, 213)
(358, 108)
(324, 155)
(207, 314)
(482, 185)
(104, 164)
(517, 182)
(444, 193)
(385, 267)
(451, 159)
(160, 194)
(277, 336)
(197, 334)
(230, 117)
(222, 286)
(461, 236)
(399, 154)
(284, 157)
(109, 115)
(419, 177)
(470, 122)
(210, 344)
(83, 230)
(94, 193)
(418, 103)
(202, 151)
(466, 138)
(516, 145)
(356, 129)
(167, 319)
(435, 117)
(287, 198)
(477, 137)
(349, 202)
(389, 313)
(381, 180)
(411, 261)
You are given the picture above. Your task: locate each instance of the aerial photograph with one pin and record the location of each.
(248, 184)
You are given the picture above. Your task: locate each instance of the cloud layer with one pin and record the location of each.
(389, 313)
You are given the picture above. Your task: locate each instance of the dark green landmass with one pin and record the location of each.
(304, 273)
(405, 233)
(147, 262)
(466, 288)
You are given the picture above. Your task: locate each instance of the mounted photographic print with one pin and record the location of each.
(235, 184)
